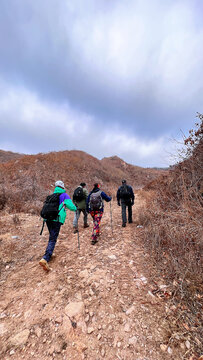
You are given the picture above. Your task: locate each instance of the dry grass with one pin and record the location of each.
(26, 182)
(173, 234)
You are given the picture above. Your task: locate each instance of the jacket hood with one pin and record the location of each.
(96, 190)
(59, 190)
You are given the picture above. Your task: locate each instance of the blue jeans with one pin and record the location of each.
(54, 229)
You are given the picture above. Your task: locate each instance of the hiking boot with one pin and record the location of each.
(130, 221)
(44, 264)
(75, 231)
(93, 242)
(86, 225)
(124, 225)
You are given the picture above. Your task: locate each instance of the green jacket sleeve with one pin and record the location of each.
(69, 204)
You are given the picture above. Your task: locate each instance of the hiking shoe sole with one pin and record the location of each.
(44, 264)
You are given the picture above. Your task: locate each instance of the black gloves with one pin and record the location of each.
(132, 202)
(119, 203)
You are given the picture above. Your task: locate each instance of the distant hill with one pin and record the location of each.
(6, 156)
(135, 175)
(29, 178)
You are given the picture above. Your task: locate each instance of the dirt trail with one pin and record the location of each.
(96, 303)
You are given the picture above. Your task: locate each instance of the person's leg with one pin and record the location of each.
(123, 209)
(85, 218)
(98, 218)
(54, 228)
(93, 216)
(130, 213)
(96, 225)
(76, 218)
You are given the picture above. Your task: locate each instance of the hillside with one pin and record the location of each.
(136, 294)
(6, 156)
(173, 234)
(135, 175)
(26, 181)
(98, 302)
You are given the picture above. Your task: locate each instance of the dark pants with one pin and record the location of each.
(77, 215)
(125, 205)
(54, 229)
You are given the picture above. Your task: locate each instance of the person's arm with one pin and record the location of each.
(105, 197)
(68, 203)
(87, 203)
(132, 195)
(118, 196)
(85, 193)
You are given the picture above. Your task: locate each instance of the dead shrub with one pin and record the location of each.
(2, 199)
(16, 219)
(173, 230)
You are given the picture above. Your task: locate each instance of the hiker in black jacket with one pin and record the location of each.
(125, 198)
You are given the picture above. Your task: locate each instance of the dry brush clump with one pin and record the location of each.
(173, 230)
(2, 199)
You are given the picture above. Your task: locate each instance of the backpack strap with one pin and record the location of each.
(63, 206)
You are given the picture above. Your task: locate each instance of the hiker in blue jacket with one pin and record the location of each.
(95, 206)
(125, 199)
(55, 225)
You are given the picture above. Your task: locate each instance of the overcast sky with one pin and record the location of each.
(109, 77)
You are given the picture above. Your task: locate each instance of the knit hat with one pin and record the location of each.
(123, 181)
(60, 184)
(82, 184)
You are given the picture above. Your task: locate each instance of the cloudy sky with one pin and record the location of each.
(109, 77)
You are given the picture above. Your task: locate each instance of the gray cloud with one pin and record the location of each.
(130, 65)
(28, 124)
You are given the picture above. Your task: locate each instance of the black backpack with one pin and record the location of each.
(50, 209)
(78, 194)
(96, 201)
(125, 192)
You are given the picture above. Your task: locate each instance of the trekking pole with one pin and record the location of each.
(111, 219)
(78, 241)
(77, 216)
(42, 227)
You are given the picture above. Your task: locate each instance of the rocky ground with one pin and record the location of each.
(96, 303)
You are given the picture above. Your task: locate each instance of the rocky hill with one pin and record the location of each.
(6, 156)
(25, 181)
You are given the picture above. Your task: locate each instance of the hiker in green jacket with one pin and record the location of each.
(79, 199)
(54, 226)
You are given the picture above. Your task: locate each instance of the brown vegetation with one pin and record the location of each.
(173, 234)
(170, 225)
(6, 156)
(24, 183)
